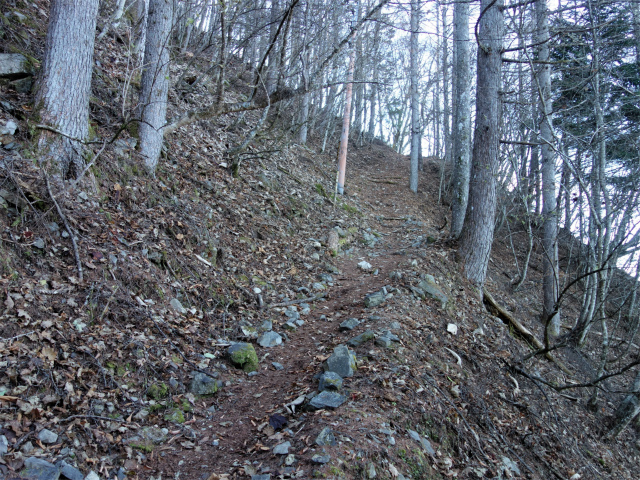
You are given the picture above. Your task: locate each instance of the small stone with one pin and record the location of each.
(277, 366)
(243, 355)
(326, 437)
(391, 440)
(70, 472)
(349, 324)
(318, 286)
(432, 290)
(266, 326)
(299, 322)
(327, 399)
(360, 339)
(293, 315)
(9, 128)
(366, 266)
(330, 381)
(257, 290)
(249, 331)
(252, 374)
(39, 243)
(374, 299)
(305, 309)
(38, 469)
(27, 448)
(282, 448)
(342, 361)
(395, 326)
(92, 476)
(391, 336)
(266, 476)
(47, 436)
(321, 458)
(290, 326)
(290, 459)
(4, 445)
(177, 306)
(383, 342)
(203, 384)
(270, 339)
(371, 470)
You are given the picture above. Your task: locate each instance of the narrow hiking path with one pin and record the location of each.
(231, 431)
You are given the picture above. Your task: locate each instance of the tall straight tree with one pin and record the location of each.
(551, 317)
(477, 231)
(65, 85)
(462, 117)
(415, 99)
(155, 81)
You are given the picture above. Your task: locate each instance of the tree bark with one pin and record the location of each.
(477, 232)
(415, 100)
(461, 120)
(550, 280)
(155, 82)
(65, 85)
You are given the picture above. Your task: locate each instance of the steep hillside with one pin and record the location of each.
(129, 372)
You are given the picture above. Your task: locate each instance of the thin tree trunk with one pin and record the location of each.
(65, 86)
(155, 82)
(477, 232)
(415, 100)
(344, 137)
(461, 120)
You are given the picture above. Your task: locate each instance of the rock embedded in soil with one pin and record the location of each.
(321, 458)
(330, 381)
(266, 476)
(47, 436)
(374, 299)
(431, 290)
(244, 356)
(426, 444)
(360, 339)
(203, 384)
(342, 361)
(326, 437)
(349, 324)
(277, 366)
(383, 342)
(282, 448)
(269, 339)
(38, 469)
(92, 476)
(327, 399)
(70, 472)
(4, 445)
(177, 306)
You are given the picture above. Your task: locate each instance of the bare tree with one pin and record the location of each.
(415, 100)
(65, 86)
(155, 82)
(477, 232)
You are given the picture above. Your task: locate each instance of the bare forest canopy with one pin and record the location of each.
(529, 111)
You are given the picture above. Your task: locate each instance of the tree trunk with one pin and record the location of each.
(415, 100)
(461, 120)
(65, 85)
(550, 280)
(477, 232)
(344, 137)
(155, 82)
(142, 15)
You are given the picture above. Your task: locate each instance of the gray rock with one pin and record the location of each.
(374, 299)
(299, 322)
(510, 466)
(292, 313)
(305, 309)
(4, 445)
(321, 458)
(327, 399)
(269, 339)
(39, 243)
(325, 277)
(318, 286)
(383, 342)
(391, 336)
(360, 339)
(249, 331)
(395, 326)
(330, 381)
(177, 306)
(349, 324)
(277, 366)
(342, 361)
(27, 448)
(426, 444)
(149, 435)
(203, 384)
(282, 448)
(371, 470)
(14, 66)
(326, 437)
(432, 290)
(70, 472)
(290, 459)
(290, 326)
(9, 128)
(92, 476)
(47, 436)
(266, 326)
(266, 476)
(243, 355)
(23, 85)
(38, 469)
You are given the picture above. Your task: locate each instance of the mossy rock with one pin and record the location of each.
(175, 416)
(158, 391)
(244, 356)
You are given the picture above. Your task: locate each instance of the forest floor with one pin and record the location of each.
(107, 364)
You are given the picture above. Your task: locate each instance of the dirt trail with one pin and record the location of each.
(229, 436)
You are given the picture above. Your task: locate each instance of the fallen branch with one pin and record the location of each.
(295, 302)
(521, 329)
(383, 181)
(67, 228)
